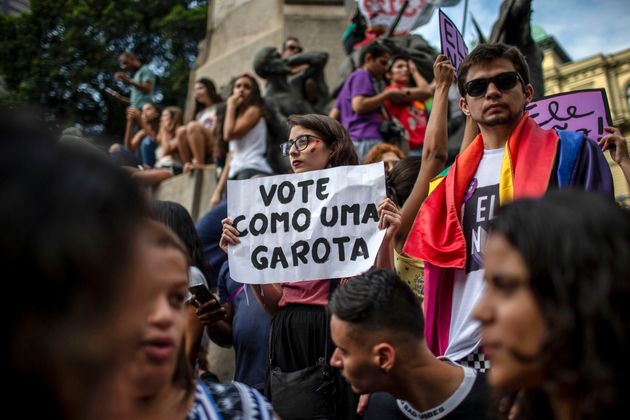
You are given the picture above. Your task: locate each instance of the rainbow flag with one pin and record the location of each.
(526, 171)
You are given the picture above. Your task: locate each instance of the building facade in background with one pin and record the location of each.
(608, 71)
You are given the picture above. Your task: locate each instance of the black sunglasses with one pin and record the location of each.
(503, 81)
(301, 143)
(294, 48)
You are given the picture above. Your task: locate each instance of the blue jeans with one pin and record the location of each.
(147, 151)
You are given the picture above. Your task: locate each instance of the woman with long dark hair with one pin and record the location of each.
(555, 313)
(155, 381)
(244, 128)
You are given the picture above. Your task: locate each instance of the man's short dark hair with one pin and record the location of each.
(375, 49)
(379, 301)
(484, 53)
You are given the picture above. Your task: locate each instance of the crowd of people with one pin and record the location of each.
(500, 289)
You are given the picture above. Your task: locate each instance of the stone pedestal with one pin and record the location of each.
(237, 29)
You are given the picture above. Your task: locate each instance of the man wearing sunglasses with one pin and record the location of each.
(512, 157)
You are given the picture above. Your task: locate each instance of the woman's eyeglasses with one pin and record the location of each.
(503, 81)
(295, 48)
(300, 143)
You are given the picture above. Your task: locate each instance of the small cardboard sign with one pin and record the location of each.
(453, 45)
(583, 110)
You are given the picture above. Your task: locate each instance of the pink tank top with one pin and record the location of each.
(305, 293)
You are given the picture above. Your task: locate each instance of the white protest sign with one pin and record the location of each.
(309, 226)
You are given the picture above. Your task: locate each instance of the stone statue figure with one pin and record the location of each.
(304, 93)
(513, 28)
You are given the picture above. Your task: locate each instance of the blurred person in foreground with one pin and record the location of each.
(554, 315)
(74, 235)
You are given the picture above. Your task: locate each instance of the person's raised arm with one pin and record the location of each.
(312, 58)
(136, 139)
(133, 117)
(218, 189)
(471, 129)
(422, 91)
(434, 150)
(145, 87)
(235, 126)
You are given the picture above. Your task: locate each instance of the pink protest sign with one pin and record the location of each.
(584, 110)
(453, 45)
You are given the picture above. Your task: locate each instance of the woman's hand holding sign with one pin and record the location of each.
(389, 217)
(229, 236)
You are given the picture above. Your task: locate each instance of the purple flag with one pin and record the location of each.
(583, 110)
(453, 45)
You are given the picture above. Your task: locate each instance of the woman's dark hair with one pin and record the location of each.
(395, 58)
(402, 178)
(69, 221)
(212, 93)
(154, 123)
(332, 133)
(576, 246)
(177, 218)
(376, 49)
(254, 100)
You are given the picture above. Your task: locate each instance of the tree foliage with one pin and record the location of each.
(64, 53)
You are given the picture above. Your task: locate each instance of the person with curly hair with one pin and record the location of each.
(384, 152)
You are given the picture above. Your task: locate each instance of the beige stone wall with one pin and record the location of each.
(611, 72)
(239, 28)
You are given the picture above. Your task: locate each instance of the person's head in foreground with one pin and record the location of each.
(73, 228)
(493, 81)
(158, 366)
(556, 309)
(376, 323)
(318, 142)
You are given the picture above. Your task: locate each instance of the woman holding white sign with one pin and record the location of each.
(299, 338)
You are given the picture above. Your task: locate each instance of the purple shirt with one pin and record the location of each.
(360, 126)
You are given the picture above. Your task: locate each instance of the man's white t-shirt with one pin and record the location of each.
(481, 202)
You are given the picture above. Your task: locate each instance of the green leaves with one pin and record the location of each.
(62, 54)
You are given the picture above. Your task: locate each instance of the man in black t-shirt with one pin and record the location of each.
(378, 328)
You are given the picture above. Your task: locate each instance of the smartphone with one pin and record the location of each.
(202, 294)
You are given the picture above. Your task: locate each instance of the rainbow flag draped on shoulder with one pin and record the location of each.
(534, 161)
